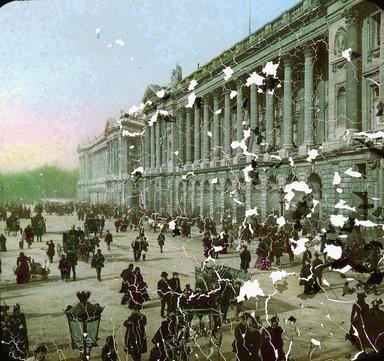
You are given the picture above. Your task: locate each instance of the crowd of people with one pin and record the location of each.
(252, 340)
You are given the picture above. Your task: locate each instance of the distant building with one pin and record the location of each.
(106, 163)
(327, 86)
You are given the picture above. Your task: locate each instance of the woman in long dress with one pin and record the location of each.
(23, 268)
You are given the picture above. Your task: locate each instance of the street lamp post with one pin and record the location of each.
(84, 322)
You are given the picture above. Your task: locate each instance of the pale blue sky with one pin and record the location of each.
(60, 81)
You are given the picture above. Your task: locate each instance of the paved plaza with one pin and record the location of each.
(323, 317)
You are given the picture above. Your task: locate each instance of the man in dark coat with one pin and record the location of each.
(247, 339)
(136, 247)
(72, 259)
(245, 259)
(108, 239)
(126, 278)
(174, 285)
(135, 338)
(3, 240)
(164, 293)
(306, 278)
(272, 342)
(98, 263)
(50, 250)
(161, 240)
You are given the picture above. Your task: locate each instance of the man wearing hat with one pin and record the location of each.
(164, 292)
(174, 284)
(317, 270)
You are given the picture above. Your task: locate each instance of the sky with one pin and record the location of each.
(69, 65)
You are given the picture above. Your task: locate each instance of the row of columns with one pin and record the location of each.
(191, 137)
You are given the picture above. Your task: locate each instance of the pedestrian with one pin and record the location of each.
(306, 278)
(307, 255)
(98, 263)
(138, 290)
(317, 270)
(245, 259)
(65, 268)
(22, 268)
(3, 240)
(28, 235)
(164, 293)
(161, 240)
(174, 285)
(262, 261)
(144, 247)
(226, 294)
(102, 225)
(272, 342)
(72, 260)
(135, 338)
(109, 352)
(136, 247)
(247, 339)
(20, 238)
(108, 239)
(50, 250)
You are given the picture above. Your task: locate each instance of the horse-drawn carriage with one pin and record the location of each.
(38, 225)
(75, 241)
(92, 225)
(199, 316)
(12, 224)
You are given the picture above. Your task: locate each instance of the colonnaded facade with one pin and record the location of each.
(301, 96)
(106, 164)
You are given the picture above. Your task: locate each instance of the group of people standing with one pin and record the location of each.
(255, 343)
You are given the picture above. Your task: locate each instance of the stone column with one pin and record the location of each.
(206, 138)
(287, 105)
(181, 137)
(227, 123)
(197, 122)
(254, 123)
(152, 152)
(308, 97)
(164, 143)
(202, 196)
(263, 203)
(211, 200)
(216, 126)
(193, 193)
(269, 118)
(234, 204)
(352, 71)
(188, 139)
(158, 144)
(239, 114)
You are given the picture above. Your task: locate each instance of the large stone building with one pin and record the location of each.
(292, 96)
(107, 163)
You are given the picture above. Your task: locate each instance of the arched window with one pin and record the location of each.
(341, 108)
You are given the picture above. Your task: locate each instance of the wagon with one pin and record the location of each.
(92, 225)
(12, 224)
